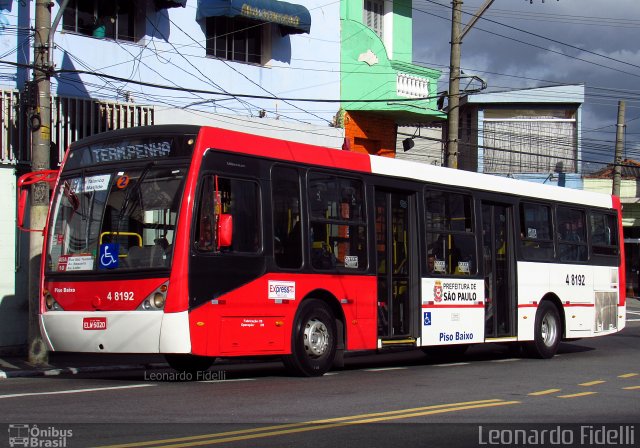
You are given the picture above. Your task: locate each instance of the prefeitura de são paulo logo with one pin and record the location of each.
(38, 436)
(437, 291)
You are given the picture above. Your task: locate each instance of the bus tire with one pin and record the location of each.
(313, 340)
(548, 332)
(188, 364)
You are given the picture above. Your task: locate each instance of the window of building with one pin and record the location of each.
(374, 16)
(235, 197)
(536, 236)
(604, 234)
(530, 141)
(287, 232)
(451, 243)
(235, 39)
(572, 234)
(111, 19)
(338, 231)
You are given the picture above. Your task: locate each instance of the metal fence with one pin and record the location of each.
(71, 120)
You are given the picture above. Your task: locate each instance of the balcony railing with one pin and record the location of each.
(412, 86)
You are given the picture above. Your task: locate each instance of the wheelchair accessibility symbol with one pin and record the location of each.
(427, 318)
(109, 255)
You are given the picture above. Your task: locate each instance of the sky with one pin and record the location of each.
(530, 43)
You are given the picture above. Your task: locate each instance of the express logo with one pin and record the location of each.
(279, 290)
(437, 291)
(282, 290)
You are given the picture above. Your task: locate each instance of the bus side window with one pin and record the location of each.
(604, 234)
(536, 237)
(572, 241)
(237, 198)
(287, 231)
(206, 218)
(450, 236)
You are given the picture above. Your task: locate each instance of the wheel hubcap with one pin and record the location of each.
(316, 338)
(549, 330)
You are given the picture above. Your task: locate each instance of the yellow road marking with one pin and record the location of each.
(631, 388)
(581, 394)
(592, 383)
(627, 375)
(314, 425)
(544, 392)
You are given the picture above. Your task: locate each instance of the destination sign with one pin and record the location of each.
(129, 149)
(131, 152)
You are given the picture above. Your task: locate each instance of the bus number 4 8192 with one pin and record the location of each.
(576, 280)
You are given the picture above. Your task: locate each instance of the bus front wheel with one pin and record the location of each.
(313, 344)
(548, 332)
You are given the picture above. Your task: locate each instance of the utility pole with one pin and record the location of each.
(40, 121)
(617, 167)
(453, 112)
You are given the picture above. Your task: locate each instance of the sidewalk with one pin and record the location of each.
(75, 363)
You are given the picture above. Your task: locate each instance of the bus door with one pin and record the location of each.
(394, 268)
(499, 270)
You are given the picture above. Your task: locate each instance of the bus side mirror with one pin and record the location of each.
(225, 230)
(24, 185)
(23, 195)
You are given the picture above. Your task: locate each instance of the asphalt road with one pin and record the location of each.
(588, 392)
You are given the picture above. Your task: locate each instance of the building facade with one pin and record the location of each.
(531, 134)
(380, 86)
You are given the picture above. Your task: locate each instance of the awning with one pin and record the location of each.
(163, 4)
(293, 19)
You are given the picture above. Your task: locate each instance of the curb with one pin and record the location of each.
(78, 370)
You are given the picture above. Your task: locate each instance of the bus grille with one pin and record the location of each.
(606, 311)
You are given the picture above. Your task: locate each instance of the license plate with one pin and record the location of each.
(94, 323)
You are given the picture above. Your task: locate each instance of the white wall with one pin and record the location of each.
(13, 307)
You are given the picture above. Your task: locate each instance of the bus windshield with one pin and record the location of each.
(115, 219)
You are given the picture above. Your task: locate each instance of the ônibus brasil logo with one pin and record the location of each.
(36, 436)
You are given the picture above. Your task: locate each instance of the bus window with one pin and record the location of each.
(337, 228)
(572, 234)
(451, 244)
(604, 234)
(287, 232)
(235, 197)
(536, 238)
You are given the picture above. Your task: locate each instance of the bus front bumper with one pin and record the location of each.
(116, 331)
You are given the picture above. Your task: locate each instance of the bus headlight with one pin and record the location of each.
(51, 303)
(48, 299)
(156, 300)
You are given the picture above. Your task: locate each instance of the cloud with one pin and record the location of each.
(543, 44)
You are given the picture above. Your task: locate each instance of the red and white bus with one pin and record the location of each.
(197, 243)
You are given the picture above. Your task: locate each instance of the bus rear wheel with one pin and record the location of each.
(548, 332)
(191, 365)
(313, 344)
